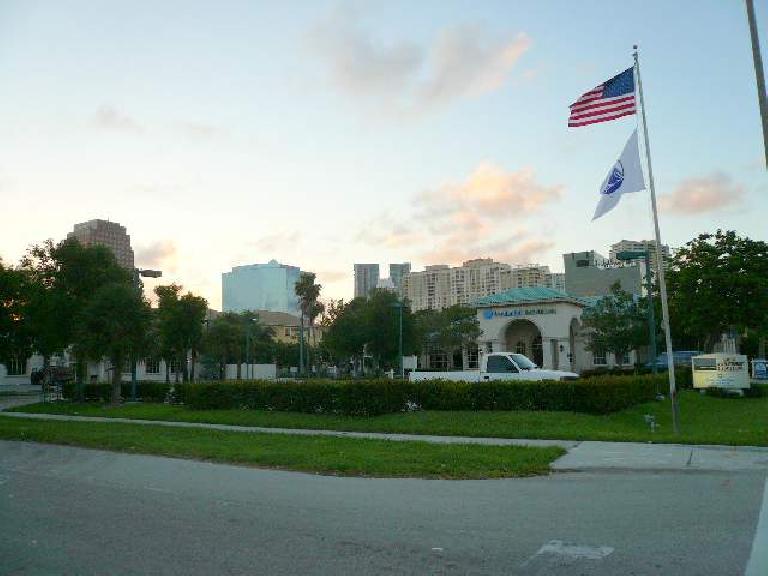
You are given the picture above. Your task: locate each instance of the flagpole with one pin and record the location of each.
(659, 261)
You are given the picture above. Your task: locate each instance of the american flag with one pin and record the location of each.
(612, 99)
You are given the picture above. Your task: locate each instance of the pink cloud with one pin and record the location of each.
(701, 195)
(481, 216)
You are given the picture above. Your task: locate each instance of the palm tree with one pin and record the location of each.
(308, 293)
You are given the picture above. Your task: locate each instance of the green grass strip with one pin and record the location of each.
(326, 455)
(705, 420)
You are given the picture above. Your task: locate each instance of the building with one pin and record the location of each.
(591, 274)
(638, 246)
(109, 234)
(270, 286)
(386, 284)
(366, 279)
(532, 275)
(286, 327)
(543, 324)
(441, 286)
(396, 274)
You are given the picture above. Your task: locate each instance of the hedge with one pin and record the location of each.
(149, 391)
(599, 395)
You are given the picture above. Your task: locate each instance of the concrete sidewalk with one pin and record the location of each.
(661, 457)
(581, 456)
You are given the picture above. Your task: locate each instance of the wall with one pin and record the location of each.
(254, 371)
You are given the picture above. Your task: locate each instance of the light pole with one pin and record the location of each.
(399, 305)
(646, 255)
(137, 275)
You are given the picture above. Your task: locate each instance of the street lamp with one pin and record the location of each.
(645, 255)
(137, 274)
(399, 305)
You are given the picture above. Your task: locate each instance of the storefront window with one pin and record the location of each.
(599, 357)
(16, 366)
(152, 366)
(472, 353)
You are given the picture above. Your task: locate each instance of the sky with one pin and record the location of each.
(324, 134)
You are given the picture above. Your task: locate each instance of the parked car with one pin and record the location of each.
(498, 366)
(680, 358)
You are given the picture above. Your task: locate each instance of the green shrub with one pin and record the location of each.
(146, 390)
(599, 395)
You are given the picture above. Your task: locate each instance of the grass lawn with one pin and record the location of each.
(327, 455)
(705, 420)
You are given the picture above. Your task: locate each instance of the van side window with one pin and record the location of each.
(500, 364)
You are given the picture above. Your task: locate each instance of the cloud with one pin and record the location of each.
(461, 62)
(110, 118)
(702, 195)
(482, 216)
(489, 192)
(161, 255)
(199, 130)
(274, 243)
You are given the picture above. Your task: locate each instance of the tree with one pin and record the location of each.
(113, 324)
(718, 283)
(226, 339)
(63, 279)
(616, 323)
(15, 335)
(372, 324)
(191, 312)
(451, 329)
(309, 305)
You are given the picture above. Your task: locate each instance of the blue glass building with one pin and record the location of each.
(268, 286)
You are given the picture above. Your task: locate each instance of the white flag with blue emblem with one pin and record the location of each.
(625, 176)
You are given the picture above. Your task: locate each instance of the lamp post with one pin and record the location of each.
(399, 305)
(646, 255)
(138, 273)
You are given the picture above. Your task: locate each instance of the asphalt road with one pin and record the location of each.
(74, 511)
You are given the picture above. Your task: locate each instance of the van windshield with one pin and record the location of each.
(523, 362)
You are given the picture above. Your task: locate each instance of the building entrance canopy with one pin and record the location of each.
(541, 323)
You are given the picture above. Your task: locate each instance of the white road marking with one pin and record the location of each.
(758, 560)
(571, 551)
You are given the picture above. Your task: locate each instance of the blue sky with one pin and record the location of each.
(327, 133)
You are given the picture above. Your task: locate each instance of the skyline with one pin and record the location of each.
(328, 134)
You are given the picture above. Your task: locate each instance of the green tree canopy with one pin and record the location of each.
(15, 334)
(372, 323)
(616, 323)
(113, 324)
(719, 283)
(180, 320)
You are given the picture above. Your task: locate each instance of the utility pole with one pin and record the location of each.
(137, 275)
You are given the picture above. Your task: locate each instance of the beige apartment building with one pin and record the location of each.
(109, 234)
(638, 246)
(286, 327)
(441, 286)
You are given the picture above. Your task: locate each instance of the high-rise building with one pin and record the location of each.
(591, 274)
(441, 286)
(270, 287)
(109, 234)
(534, 275)
(638, 246)
(396, 274)
(366, 279)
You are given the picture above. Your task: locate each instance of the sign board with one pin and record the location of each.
(720, 371)
(760, 369)
(490, 313)
(409, 362)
